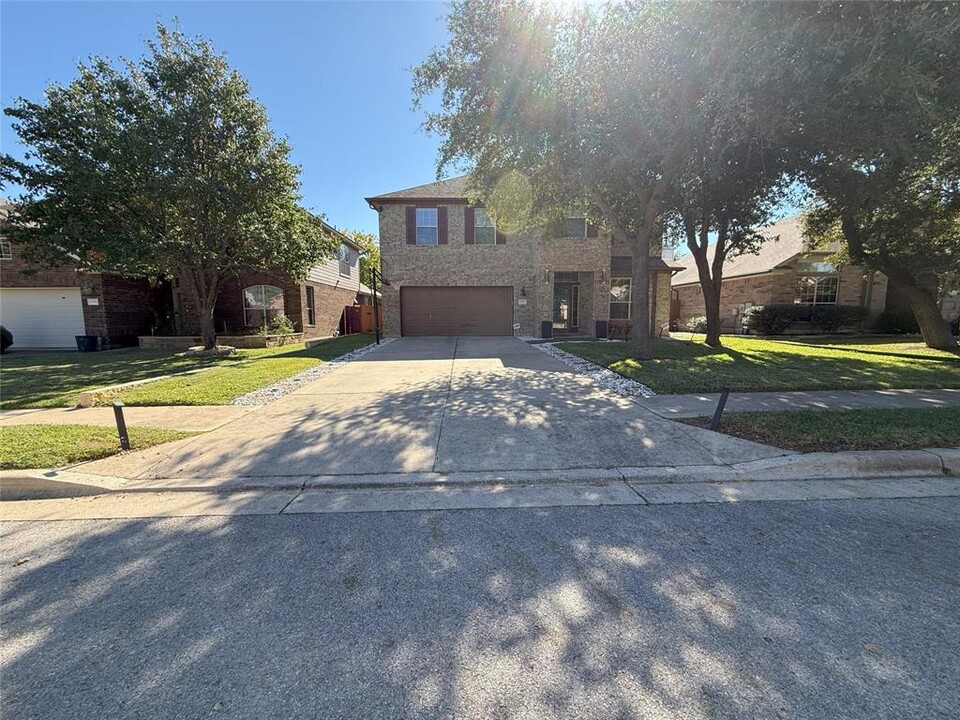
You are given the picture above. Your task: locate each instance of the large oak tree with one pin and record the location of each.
(163, 166)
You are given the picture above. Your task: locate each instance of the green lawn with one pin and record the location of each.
(56, 379)
(749, 364)
(49, 446)
(833, 431)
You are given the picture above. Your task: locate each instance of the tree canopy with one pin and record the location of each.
(161, 166)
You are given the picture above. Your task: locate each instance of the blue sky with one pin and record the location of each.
(334, 77)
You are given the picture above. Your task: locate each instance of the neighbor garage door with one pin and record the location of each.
(456, 310)
(42, 317)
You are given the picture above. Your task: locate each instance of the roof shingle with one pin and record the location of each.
(785, 243)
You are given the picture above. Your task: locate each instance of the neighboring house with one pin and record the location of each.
(784, 271)
(47, 307)
(451, 271)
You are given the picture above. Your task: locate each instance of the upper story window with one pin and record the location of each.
(427, 226)
(343, 256)
(815, 266)
(484, 229)
(6, 251)
(620, 298)
(261, 304)
(817, 290)
(575, 227)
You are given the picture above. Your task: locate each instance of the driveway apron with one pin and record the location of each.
(443, 405)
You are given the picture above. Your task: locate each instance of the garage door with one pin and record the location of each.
(42, 317)
(456, 310)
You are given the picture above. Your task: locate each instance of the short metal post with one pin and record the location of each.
(121, 425)
(718, 413)
(376, 307)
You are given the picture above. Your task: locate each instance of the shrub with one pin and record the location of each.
(770, 319)
(6, 339)
(830, 318)
(896, 322)
(697, 324)
(280, 325)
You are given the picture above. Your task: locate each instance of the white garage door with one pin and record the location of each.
(42, 317)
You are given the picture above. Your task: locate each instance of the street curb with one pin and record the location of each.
(880, 465)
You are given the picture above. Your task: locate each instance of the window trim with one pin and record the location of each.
(343, 257)
(311, 305)
(435, 226)
(628, 302)
(247, 310)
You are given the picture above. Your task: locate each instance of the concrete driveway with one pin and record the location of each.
(439, 405)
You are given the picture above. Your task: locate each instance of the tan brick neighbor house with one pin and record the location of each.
(784, 271)
(451, 272)
(47, 307)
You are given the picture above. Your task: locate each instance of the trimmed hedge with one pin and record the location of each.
(775, 319)
(898, 322)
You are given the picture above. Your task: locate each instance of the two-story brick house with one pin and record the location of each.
(451, 271)
(47, 307)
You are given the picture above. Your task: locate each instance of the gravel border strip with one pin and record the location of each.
(283, 387)
(607, 379)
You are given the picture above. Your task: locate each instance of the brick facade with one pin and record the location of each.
(115, 308)
(120, 309)
(778, 287)
(329, 303)
(526, 261)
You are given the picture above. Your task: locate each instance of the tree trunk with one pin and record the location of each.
(208, 329)
(933, 326)
(709, 286)
(206, 291)
(711, 306)
(640, 298)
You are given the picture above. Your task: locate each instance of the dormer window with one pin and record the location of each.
(575, 227)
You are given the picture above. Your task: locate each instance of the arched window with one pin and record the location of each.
(261, 304)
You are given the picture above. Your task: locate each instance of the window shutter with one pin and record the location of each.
(501, 238)
(469, 215)
(411, 225)
(442, 225)
(591, 230)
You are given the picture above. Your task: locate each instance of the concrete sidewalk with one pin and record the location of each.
(703, 405)
(196, 418)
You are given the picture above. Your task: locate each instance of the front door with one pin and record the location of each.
(566, 307)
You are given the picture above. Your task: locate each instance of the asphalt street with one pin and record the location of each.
(822, 609)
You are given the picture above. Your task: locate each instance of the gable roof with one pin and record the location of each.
(451, 189)
(785, 243)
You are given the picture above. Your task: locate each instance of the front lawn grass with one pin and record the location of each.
(56, 379)
(221, 385)
(49, 446)
(834, 431)
(749, 364)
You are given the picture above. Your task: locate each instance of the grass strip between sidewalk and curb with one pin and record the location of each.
(750, 364)
(39, 380)
(839, 430)
(50, 446)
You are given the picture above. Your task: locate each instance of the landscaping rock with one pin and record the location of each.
(218, 351)
(601, 375)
